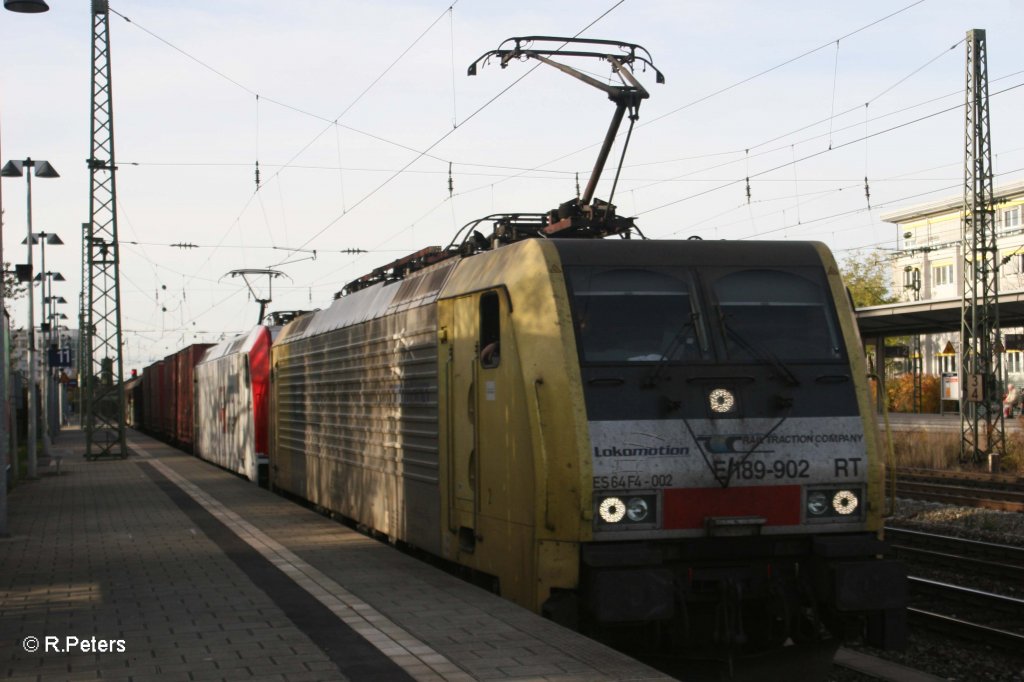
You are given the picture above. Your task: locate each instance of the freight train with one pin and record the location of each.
(617, 432)
(670, 437)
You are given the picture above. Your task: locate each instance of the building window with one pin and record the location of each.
(942, 274)
(1014, 361)
(1011, 218)
(947, 364)
(490, 329)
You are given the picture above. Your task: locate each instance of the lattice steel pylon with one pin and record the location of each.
(981, 414)
(84, 349)
(103, 390)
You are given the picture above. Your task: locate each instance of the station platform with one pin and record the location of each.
(903, 421)
(163, 567)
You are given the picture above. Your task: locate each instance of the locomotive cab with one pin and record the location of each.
(735, 476)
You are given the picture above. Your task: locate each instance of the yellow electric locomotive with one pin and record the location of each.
(621, 431)
(673, 437)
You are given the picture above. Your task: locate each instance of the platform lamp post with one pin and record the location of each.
(53, 318)
(44, 278)
(42, 170)
(57, 325)
(24, 7)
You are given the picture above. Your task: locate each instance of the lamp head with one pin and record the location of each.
(26, 6)
(11, 169)
(45, 170)
(53, 239)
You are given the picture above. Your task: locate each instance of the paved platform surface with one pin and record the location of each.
(902, 421)
(162, 567)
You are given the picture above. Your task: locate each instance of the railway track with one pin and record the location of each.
(955, 610)
(970, 606)
(969, 556)
(968, 478)
(958, 628)
(1003, 493)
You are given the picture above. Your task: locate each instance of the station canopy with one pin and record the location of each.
(931, 317)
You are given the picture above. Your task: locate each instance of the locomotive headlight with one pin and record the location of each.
(637, 509)
(612, 510)
(817, 504)
(845, 502)
(721, 400)
(833, 504)
(625, 511)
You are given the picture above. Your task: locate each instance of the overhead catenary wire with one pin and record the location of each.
(334, 122)
(520, 171)
(854, 211)
(803, 195)
(776, 67)
(736, 84)
(451, 31)
(762, 179)
(955, 93)
(448, 133)
(835, 84)
(823, 151)
(449, 12)
(829, 134)
(285, 105)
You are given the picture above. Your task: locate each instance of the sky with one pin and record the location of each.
(361, 113)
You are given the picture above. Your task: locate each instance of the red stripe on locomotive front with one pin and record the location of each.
(685, 508)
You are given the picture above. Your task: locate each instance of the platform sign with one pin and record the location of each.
(60, 357)
(975, 388)
(950, 387)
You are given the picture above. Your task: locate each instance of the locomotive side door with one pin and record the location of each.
(459, 321)
(486, 443)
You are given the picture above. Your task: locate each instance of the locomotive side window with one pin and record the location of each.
(490, 330)
(634, 315)
(784, 313)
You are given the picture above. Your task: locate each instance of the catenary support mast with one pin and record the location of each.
(981, 415)
(103, 390)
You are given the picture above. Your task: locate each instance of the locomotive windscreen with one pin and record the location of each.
(634, 315)
(657, 314)
(784, 313)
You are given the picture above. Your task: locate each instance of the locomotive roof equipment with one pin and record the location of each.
(583, 216)
(271, 275)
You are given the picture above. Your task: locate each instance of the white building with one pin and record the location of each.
(929, 265)
(67, 339)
